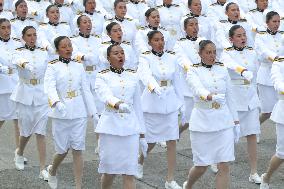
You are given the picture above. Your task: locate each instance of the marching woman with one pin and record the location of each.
(121, 125)
(32, 104)
(241, 62)
(277, 76)
(8, 75)
(268, 45)
(214, 120)
(71, 101)
(162, 99)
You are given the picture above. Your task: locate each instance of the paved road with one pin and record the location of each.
(155, 165)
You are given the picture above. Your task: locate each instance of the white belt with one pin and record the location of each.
(90, 68)
(266, 64)
(32, 81)
(72, 94)
(207, 105)
(165, 83)
(240, 82)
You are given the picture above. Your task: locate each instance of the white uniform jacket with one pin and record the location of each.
(187, 54)
(204, 81)
(256, 19)
(112, 88)
(91, 54)
(29, 89)
(216, 12)
(246, 5)
(6, 14)
(244, 91)
(137, 11)
(141, 40)
(9, 81)
(163, 72)
(277, 76)
(37, 9)
(267, 47)
(67, 83)
(18, 26)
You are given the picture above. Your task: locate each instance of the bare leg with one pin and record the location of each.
(275, 162)
(1, 123)
(57, 159)
(150, 148)
(78, 167)
(252, 152)
(17, 133)
(171, 157)
(23, 143)
(223, 176)
(41, 147)
(106, 181)
(128, 182)
(263, 117)
(194, 174)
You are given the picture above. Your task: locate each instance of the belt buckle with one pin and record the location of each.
(71, 94)
(246, 82)
(33, 81)
(216, 105)
(90, 68)
(164, 83)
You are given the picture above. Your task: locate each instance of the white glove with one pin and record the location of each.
(143, 146)
(61, 108)
(4, 69)
(248, 75)
(237, 133)
(220, 98)
(124, 108)
(29, 67)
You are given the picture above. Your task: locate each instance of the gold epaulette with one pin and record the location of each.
(182, 39)
(249, 48)
(13, 19)
(104, 71)
(67, 4)
(219, 63)
(79, 13)
(229, 48)
(281, 32)
(281, 59)
(16, 39)
(130, 70)
(261, 32)
(126, 42)
(243, 20)
(171, 52)
(196, 65)
(40, 48)
(223, 21)
(141, 28)
(73, 36)
(253, 10)
(20, 49)
(96, 36)
(106, 43)
(129, 19)
(146, 52)
(42, 24)
(53, 61)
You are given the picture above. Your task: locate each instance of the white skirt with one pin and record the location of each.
(69, 134)
(32, 119)
(118, 154)
(188, 107)
(280, 141)
(7, 108)
(212, 147)
(161, 127)
(268, 98)
(249, 122)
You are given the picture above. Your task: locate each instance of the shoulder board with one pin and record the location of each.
(175, 5)
(13, 19)
(29, 18)
(160, 6)
(74, 60)
(40, 48)
(74, 36)
(42, 24)
(20, 49)
(104, 71)
(141, 28)
(253, 10)
(162, 28)
(204, 15)
(229, 48)
(214, 4)
(126, 42)
(219, 63)
(170, 52)
(63, 23)
(106, 43)
(243, 20)
(96, 36)
(281, 32)
(130, 70)
(196, 65)
(53, 61)
(281, 59)
(249, 48)
(261, 32)
(79, 13)
(182, 39)
(223, 21)
(147, 52)
(108, 19)
(67, 4)
(97, 11)
(129, 19)
(16, 39)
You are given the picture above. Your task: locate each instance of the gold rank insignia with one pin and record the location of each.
(141, 28)
(214, 4)
(43, 24)
(106, 43)
(196, 65)
(223, 21)
(53, 61)
(171, 52)
(147, 52)
(129, 19)
(104, 71)
(253, 10)
(130, 70)
(20, 49)
(243, 20)
(261, 32)
(182, 39)
(281, 32)
(280, 59)
(249, 48)
(74, 36)
(219, 63)
(16, 39)
(229, 48)
(126, 42)
(40, 48)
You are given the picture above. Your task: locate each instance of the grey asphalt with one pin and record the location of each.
(154, 170)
